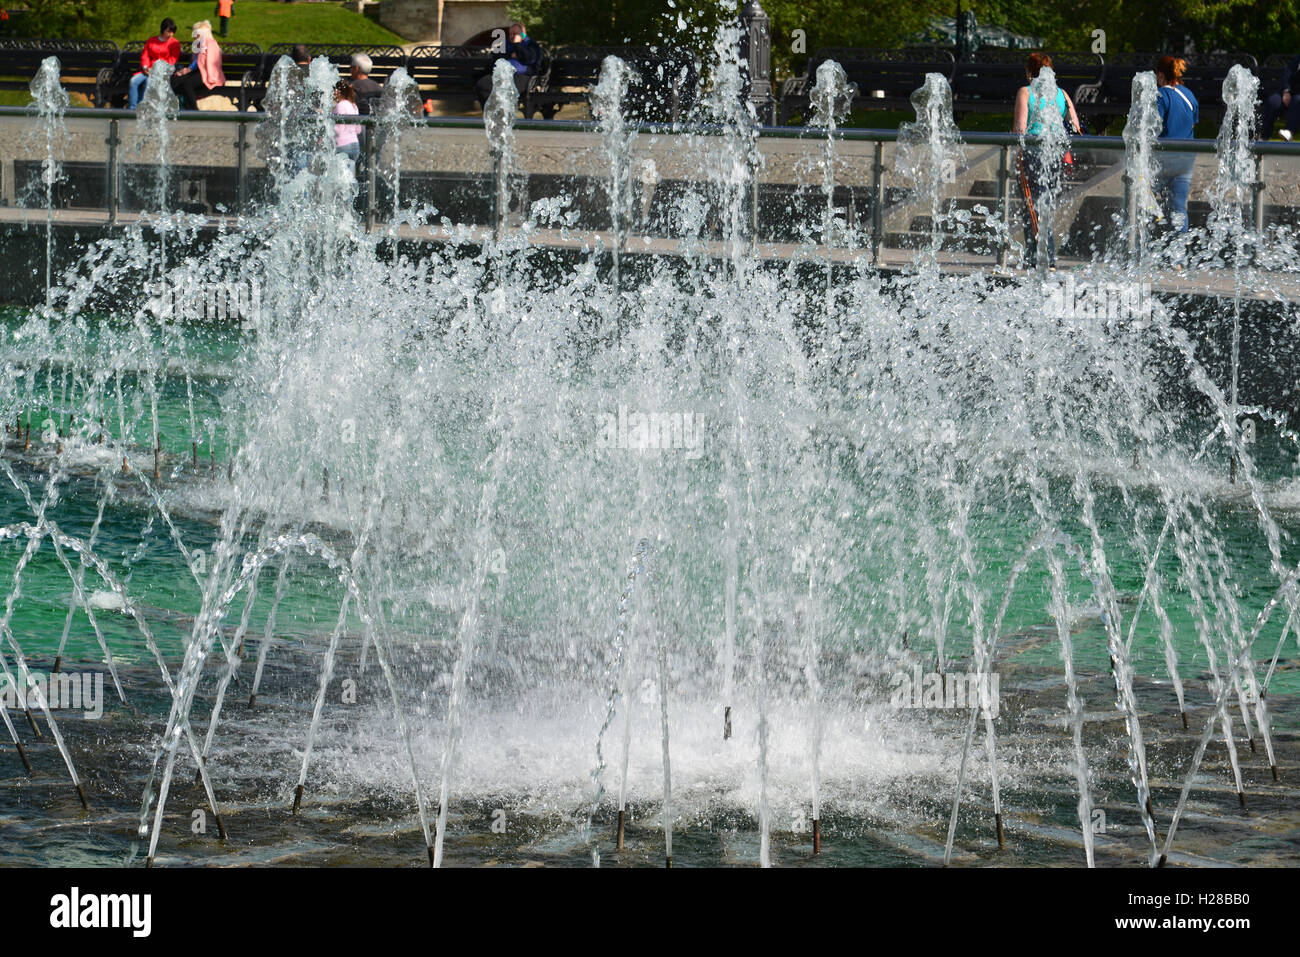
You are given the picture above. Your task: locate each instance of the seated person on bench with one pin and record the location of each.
(525, 56)
(203, 75)
(1285, 103)
(164, 46)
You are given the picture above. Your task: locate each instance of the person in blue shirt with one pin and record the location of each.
(1283, 101)
(524, 54)
(1179, 114)
(1040, 178)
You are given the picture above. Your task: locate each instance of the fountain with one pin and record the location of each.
(521, 529)
(50, 101)
(1141, 166)
(607, 108)
(930, 149)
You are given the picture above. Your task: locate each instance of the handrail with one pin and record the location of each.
(973, 138)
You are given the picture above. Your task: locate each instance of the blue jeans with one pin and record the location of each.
(1174, 184)
(352, 151)
(136, 90)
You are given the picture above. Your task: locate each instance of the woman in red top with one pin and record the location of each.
(203, 75)
(163, 47)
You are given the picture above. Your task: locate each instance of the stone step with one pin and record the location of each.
(978, 226)
(947, 242)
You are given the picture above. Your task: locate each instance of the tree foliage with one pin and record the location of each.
(89, 19)
(848, 23)
(1260, 27)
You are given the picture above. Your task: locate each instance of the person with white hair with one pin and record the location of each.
(367, 90)
(203, 75)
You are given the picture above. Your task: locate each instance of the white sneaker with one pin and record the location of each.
(1285, 134)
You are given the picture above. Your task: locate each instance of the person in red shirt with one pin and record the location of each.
(164, 47)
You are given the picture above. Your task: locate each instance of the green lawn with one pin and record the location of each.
(264, 23)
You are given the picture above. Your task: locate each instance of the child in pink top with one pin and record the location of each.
(345, 134)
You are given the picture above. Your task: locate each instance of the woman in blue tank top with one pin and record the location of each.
(1035, 112)
(1039, 178)
(1179, 112)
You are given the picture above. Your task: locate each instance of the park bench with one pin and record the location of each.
(236, 60)
(1204, 77)
(575, 70)
(384, 62)
(989, 82)
(446, 73)
(1273, 73)
(663, 89)
(666, 89)
(80, 62)
(885, 79)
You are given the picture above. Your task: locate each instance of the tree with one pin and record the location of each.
(1260, 27)
(844, 23)
(88, 19)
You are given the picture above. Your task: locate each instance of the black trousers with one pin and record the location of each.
(1040, 181)
(189, 88)
(483, 86)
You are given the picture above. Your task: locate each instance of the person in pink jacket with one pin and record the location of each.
(203, 75)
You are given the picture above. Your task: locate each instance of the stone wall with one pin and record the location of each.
(442, 21)
(413, 20)
(464, 18)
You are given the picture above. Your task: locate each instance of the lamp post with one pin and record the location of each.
(756, 55)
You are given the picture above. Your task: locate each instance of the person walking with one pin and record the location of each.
(1179, 114)
(1040, 177)
(225, 10)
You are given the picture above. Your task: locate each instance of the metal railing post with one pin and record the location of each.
(1257, 196)
(877, 203)
(1004, 203)
(113, 173)
(372, 157)
(500, 206)
(1131, 245)
(241, 169)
